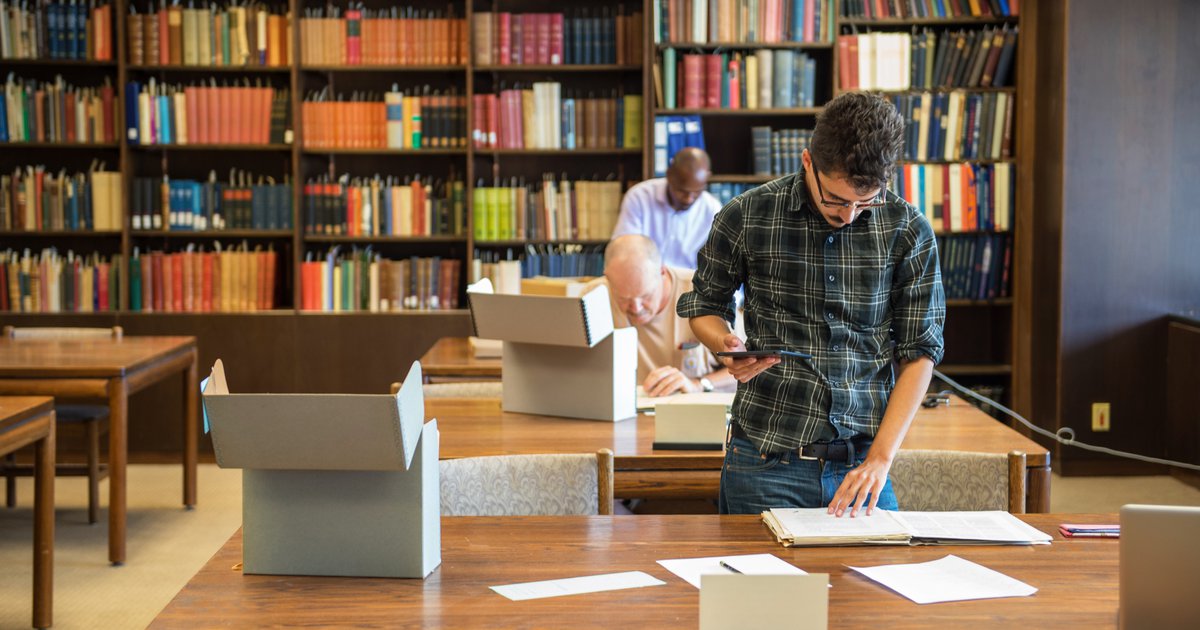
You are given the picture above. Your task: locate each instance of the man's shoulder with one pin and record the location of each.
(647, 187)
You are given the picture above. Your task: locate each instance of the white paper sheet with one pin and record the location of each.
(577, 585)
(690, 569)
(991, 526)
(950, 579)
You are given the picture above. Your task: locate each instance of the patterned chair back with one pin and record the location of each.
(958, 480)
(527, 485)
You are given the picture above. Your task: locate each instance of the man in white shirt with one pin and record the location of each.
(643, 293)
(676, 211)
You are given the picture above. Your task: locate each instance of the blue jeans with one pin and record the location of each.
(752, 483)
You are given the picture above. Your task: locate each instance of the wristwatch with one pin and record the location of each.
(706, 385)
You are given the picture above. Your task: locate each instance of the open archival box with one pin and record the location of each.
(809, 527)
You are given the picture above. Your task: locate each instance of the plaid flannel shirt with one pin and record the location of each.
(842, 295)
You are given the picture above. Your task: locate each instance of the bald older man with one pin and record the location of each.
(644, 292)
(675, 211)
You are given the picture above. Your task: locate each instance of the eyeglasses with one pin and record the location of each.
(878, 201)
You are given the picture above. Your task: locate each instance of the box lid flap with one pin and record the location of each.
(582, 321)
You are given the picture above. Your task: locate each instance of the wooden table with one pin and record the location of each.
(108, 369)
(1076, 579)
(474, 427)
(26, 420)
(451, 359)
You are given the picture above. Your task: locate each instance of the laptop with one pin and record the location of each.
(1160, 567)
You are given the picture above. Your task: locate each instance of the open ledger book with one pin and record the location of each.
(803, 527)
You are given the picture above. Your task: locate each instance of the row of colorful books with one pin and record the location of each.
(542, 118)
(552, 209)
(743, 21)
(56, 30)
(777, 151)
(957, 125)
(158, 113)
(672, 133)
(361, 280)
(581, 37)
(764, 79)
(208, 35)
(385, 206)
(236, 279)
(242, 203)
(399, 121)
(32, 199)
(56, 111)
(924, 9)
(555, 260)
(976, 266)
(50, 282)
(960, 197)
(976, 58)
(389, 36)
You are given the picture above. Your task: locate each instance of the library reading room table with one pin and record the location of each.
(1076, 579)
(26, 420)
(451, 359)
(477, 427)
(108, 369)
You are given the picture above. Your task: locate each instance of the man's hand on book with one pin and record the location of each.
(860, 485)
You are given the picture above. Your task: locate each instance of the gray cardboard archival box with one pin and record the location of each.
(333, 484)
(562, 356)
(692, 421)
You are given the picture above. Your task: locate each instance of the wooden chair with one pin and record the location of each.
(93, 418)
(527, 485)
(958, 480)
(465, 389)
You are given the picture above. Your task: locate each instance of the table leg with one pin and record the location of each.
(43, 531)
(118, 456)
(190, 432)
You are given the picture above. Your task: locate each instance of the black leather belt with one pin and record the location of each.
(837, 450)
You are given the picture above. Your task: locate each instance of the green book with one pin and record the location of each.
(505, 226)
(669, 82)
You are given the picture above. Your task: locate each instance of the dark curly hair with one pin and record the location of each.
(859, 136)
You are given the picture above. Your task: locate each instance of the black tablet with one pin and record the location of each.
(752, 354)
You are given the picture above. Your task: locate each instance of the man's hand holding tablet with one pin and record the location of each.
(746, 364)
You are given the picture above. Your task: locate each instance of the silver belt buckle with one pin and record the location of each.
(800, 455)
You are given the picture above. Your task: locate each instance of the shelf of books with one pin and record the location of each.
(377, 156)
(950, 69)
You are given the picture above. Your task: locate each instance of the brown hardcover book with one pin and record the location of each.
(150, 39)
(135, 31)
(989, 66)
(594, 113)
(174, 35)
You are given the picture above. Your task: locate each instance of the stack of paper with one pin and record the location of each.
(796, 527)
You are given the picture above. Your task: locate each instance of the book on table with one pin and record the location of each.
(803, 527)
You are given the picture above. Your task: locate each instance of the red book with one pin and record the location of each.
(844, 60)
(493, 113)
(353, 36)
(102, 271)
(712, 81)
(160, 287)
(212, 109)
(187, 298)
(853, 58)
(148, 283)
(269, 285)
(206, 282)
(693, 81)
(164, 38)
(70, 116)
(556, 39)
(177, 282)
(542, 22)
(503, 38)
(528, 39)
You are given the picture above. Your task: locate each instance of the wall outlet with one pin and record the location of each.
(1101, 416)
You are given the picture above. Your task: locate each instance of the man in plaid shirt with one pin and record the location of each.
(837, 267)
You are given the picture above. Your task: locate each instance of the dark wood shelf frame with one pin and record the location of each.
(744, 45)
(336, 238)
(210, 69)
(575, 68)
(215, 234)
(714, 111)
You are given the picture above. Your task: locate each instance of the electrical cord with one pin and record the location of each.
(1065, 435)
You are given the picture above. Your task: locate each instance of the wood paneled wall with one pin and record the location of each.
(1115, 218)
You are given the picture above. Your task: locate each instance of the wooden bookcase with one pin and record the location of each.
(980, 334)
